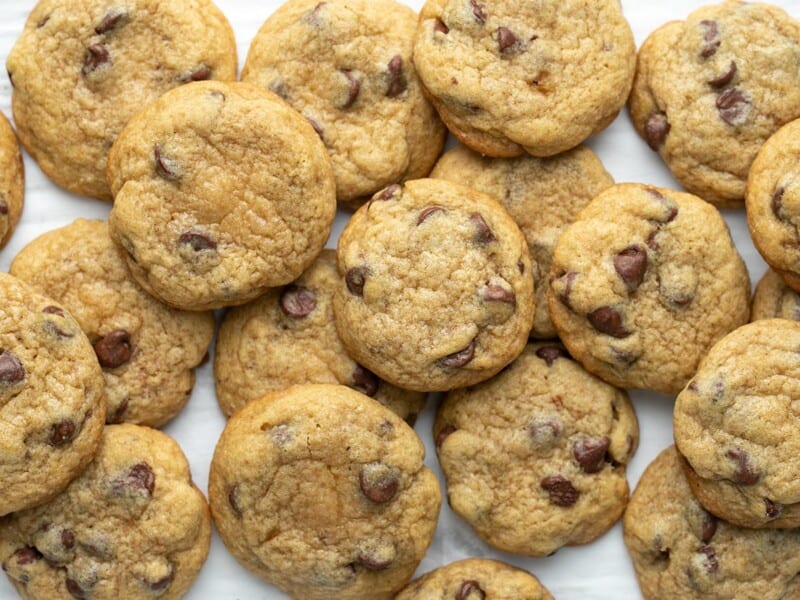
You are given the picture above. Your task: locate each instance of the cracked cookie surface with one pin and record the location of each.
(774, 299)
(12, 181)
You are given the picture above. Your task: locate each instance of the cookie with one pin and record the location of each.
(643, 283)
(147, 350)
(52, 408)
(82, 68)
(435, 286)
(475, 578)
(12, 181)
(735, 425)
(535, 458)
(288, 337)
(346, 65)
(322, 492)
(681, 551)
(543, 195)
(774, 299)
(710, 90)
(510, 77)
(133, 525)
(221, 191)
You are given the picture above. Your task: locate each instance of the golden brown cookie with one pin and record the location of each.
(12, 181)
(774, 299)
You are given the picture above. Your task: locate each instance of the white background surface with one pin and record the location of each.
(599, 570)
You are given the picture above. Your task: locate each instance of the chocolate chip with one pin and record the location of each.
(543, 432)
(710, 37)
(772, 509)
(166, 167)
(709, 527)
(777, 202)
(96, 55)
(11, 370)
(458, 359)
(159, 585)
(521, 267)
(53, 310)
(470, 590)
(561, 491)
(140, 477)
(568, 279)
(439, 26)
(22, 556)
(506, 40)
(483, 234)
(631, 265)
(119, 413)
(498, 293)
(725, 78)
(591, 453)
(656, 129)
(427, 212)
(355, 279)
(731, 105)
(62, 433)
(364, 381)
(373, 563)
(42, 22)
(313, 18)
(112, 19)
(397, 80)
(201, 73)
(608, 320)
(354, 87)
(478, 11)
(297, 301)
(744, 473)
(233, 500)
(444, 433)
(711, 558)
(198, 240)
(390, 192)
(74, 588)
(67, 539)
(378, 482)
(549, 354)
(3, 207)
(113, 349)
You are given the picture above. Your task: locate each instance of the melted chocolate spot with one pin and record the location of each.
(378, 482)
(656, 130)
(165, 167)
(297, 301)
(110, 21)
(354, 87)
(96, 56)
(444, 433)
(506, 40)
(470, 590)
(198, 240)
(608, 320)
(427, 212)
(458, 359)
(631, 265)
(483, 234)
(140, 477)
(355, 279)
(11, 370)
(364, 381)
(62, 433)
(725, 78)
(549, 354)
(561, 490)
(731, 105)
(744, 474)
(591, 453)
(113, 349)
(397, 80)
(478, 11)
(438, 25)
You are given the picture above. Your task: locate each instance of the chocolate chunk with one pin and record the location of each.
(21, 557)
(631, 265)
(378, 482)
(438, 25)
(731, 106)
(506, 40)
(498, 293)
(317, 127)
(140, 477)
(711, 558)
(113, 349)
(11, 370)
(458, 359)
(159, 585)
(62, 433)
(112, 19)
(119, 413)
(67, 539)
(478, 11)
(483, 234)
(777, 202)
(201, 73)
(390, 192)
(198, 240)
(591, 453)
(549, 354)
(710, 37)
(561, 490)
(427, 212)
(444, 433)
(397, 80)
(233, 500)
(744, 473)
(354, 87)
(656, 130)
(297, 301)
(53, 310)
(364, 381)
(96, 55)
(74, 588)
(608, 320)
(772, 509)
(355, 279)
(568, 280)
(42, 22)
(709, 527)
(470, 590)
(725, 78)
(165, 167)
(3, 207)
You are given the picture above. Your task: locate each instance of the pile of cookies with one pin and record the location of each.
(510, 273)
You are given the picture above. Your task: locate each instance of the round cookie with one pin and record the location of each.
(133, 525)
(323, 492)
(710, 90)
(736, 426)
(543, 195)
(346, 65)
(475, 578)
(509, 77)
(12, 181)
(52, 408)
(535, 458)
(435, 289)
(642, 285)
(774, 299)
(221, 191)
(82, 68)
(681, 551)
(147, 350)
(288, 337)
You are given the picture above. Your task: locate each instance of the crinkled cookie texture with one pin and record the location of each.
(322, 492)
(774, 299)
(147, 350)
(710, 90)
(82, 68)
(436, 289)
(543, 195)
(12, 181)
(509, 77)
(736, 426)
(132, 526)
(52, 408)
(473, 579)
(288, 337)
(346, 65)
(681, 551)
(643, 283)
(221, 191)
(535, 458)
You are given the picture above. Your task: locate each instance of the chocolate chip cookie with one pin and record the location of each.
(642, 285)
(435, 286)
(710, 90)
(735, 425)
(774, 299)
(221, 191)
(346, 65)
(509, 77)
(287, 337)
(82, 68)
(475, 578)
(12, 181)
(543, 195)
(133, 525)
(681, 551)
(147, 350)
(52, 408)
(322, 492)
(535, 457)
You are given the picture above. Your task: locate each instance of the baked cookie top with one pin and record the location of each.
(221, 191)
(642, 285)
(681, 551)
(346, 65)
(12, 181)
(475, 578)
(133, 525)
(82, 68)
(543, 195)
(535, 457)
(736, 425)
(288, 337)
(52, 408)
(322, 492)
(774, 299)
(710, 90)
(508, 77)
(435, 288)
(147, 350)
